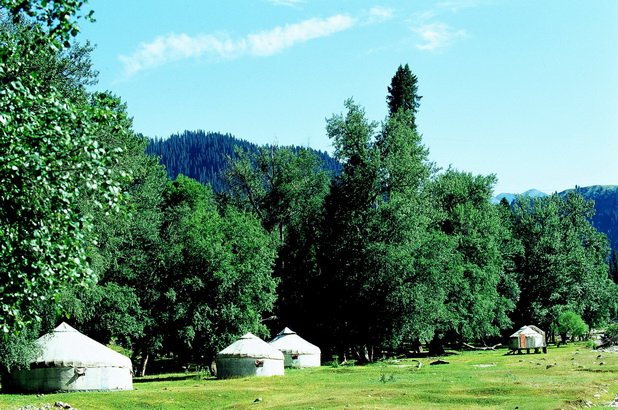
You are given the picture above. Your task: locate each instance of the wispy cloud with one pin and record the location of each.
(456, 5)
(437, 35)
(379, 14)
(270, 42)
(289, 3)
(173, 47)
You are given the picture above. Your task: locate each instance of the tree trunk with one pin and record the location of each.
(145, 356)
(436, 347)
(417, 347)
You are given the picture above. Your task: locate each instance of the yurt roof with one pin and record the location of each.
(289, 342)
(526, 330)
(66, 347)
(252, 346)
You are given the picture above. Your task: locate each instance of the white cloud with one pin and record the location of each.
(437, 35)
(456, 5)
(379, 14)
(289, 3)
(174, 47)
(273, 41)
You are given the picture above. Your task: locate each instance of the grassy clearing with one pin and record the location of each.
(478, 379)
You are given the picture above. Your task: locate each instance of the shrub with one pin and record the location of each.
(571, 324)
(610, 338)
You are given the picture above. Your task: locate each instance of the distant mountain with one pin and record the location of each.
(202, 155)
(532, 193)
(605, 199)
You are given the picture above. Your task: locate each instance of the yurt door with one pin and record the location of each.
(522, 341)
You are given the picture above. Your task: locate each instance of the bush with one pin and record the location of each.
(571, 324)
(610, 338)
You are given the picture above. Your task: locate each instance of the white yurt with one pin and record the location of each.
(71, 361)
(249, 356)
(528, 337)
(298, 352)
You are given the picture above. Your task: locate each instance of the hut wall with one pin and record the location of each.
(230, 367)
(301, 361)
(534, 341)
(52, 379)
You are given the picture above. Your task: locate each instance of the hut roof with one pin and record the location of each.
(250, 345)
(66, 347)
(527, 330)
(289, 342)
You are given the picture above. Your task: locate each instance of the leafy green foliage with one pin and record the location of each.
(59, 16)
(285, 189)
(217, 275)
(478, 293)
(374, 232)
(605, 218)
(564, 263)
(571, 324)
(50, 159)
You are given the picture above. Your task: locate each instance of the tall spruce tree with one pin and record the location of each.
(374, 229)
(403, 93)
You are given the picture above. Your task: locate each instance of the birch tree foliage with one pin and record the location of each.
(49, 158)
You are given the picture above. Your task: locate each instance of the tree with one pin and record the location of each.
(59, 16)
(216, 279)
(285, 189)
(570, 324)
(613, 266)
(403, 93)
(344, 255)
(51, 158)
(375, 231)
(564, 262)
(479, 293)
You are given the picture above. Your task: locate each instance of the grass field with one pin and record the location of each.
(566, 377)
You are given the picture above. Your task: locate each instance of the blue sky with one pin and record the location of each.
(527, 90)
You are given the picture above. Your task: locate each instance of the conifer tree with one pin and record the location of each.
(403, 93)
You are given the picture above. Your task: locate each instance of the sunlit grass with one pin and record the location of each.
(478, 379)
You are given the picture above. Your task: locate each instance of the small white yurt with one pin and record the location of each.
(71, 361)
(249, 356)
(528, 337)
(298, 352)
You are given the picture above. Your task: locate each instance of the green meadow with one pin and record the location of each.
(571, 376)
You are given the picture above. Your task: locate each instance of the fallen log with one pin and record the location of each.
(482, 348)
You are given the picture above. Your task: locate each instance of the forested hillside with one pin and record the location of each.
(605, 199)
(202, 155)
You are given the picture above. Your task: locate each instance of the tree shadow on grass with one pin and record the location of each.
(164, 378)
